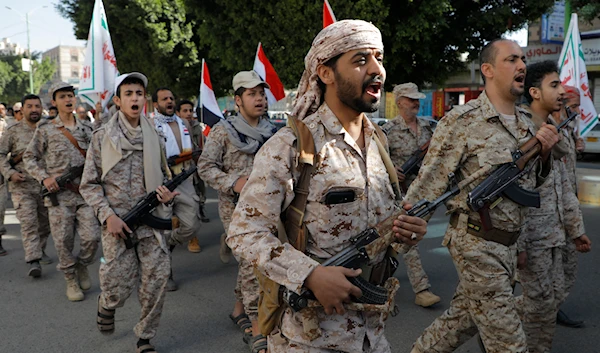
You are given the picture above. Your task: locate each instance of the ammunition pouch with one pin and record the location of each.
(494, 234)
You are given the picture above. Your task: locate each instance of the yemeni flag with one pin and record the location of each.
(100, 68)
(265, 70)
(328, 16)
(210, 114)
(573, 73)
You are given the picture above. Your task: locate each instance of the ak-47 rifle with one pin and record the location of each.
(71, 174)
(371, 242)
(186, 156)
(413, 163)
(16, 159)
(502, 181)
(141, 213)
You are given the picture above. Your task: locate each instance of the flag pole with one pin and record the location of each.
(200, 93)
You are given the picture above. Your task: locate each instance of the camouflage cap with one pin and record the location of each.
(60, 86)
(409, 90)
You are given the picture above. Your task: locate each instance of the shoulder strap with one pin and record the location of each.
(70, 137)
(294, 214)
(389, 165)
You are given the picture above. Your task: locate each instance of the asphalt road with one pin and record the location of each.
(35, 315)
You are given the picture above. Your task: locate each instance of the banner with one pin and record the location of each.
(265, 70)
(210, 114)
(100, 67)
(328, 16)
(573, 73)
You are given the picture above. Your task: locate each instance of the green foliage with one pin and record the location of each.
(165, 38)
(154, 37)
(588, 10)
(14, 82)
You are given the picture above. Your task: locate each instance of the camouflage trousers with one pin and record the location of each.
(35, 229)
(483, 299)
(569, 255)
(65, 222)
(278, 343)
(3, 201)
(186, 208)
(542, 280)
(146, 267)
(414, 269)
(246, 287)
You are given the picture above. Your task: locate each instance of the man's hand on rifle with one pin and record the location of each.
(116, 227)
(331, 287)
(579, 145)
(401, 176)
(165, 195)
(51, 184)
(548, 137)
(583, 243)
(17, 178)
(409, 230)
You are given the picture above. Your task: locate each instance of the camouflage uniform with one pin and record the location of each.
(220, 165)
(340, 165)
(50, 153)
(147, 266)
(468, 138)
(569, 251)
(3, 186)
(197, 140)
(35, 228)
(403, 142)
(548, 228)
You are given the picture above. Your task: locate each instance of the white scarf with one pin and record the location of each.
(172, 147)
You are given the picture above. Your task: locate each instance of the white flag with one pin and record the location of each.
(574, 73)
(100, 68)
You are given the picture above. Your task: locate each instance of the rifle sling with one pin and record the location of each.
(70, 137)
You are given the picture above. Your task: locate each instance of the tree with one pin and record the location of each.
(587, 9)
(14, 82)
(423, 38)
(154, 37)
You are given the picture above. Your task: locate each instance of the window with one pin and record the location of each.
(75, 73)
(74, 58)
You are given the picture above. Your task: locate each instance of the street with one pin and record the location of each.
(35, 315)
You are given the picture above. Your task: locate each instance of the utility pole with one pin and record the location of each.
(28, 44)
(29, 53)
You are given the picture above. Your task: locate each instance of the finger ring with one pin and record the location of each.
(413, 236)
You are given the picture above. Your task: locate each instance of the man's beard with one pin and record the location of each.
(163, 111)
(346, 94)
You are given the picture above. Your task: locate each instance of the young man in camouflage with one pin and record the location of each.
(57, 146)
(548, 228)
(185, 110)
(477, 137)
(25, 190)
(406, 134)
(3, 188)
(225, 164)
(343, 78)
(575, 145)
(125, 163)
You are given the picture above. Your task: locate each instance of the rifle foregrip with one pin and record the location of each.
(128, 242)
(371, 293)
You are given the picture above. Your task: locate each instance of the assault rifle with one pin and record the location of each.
(373, 241)
(62, 181)
(16, 159)
(413, 164)
(141, 212)
(186, 156)
(502, 182)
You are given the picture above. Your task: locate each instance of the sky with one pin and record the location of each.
(47, 29)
